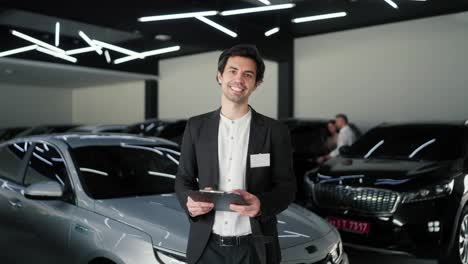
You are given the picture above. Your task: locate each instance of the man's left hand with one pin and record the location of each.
(252, 208)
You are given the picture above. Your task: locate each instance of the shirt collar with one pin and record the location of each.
(245, 117)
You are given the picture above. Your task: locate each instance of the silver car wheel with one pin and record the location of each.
(463, 240)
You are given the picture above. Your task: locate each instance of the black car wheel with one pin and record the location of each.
(458, 254)
(463, 237)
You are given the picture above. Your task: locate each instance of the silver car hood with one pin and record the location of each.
(161, 217)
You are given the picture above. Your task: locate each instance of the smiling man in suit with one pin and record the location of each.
(236, 149)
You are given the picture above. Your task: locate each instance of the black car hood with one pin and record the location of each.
(384, 173)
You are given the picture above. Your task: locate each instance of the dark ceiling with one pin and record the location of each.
(117, 23)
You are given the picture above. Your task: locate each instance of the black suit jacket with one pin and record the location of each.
(274, 185)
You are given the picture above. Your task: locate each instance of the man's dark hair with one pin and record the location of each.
(343, 116)
(243, 50)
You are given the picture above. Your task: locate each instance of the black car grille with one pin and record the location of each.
(365, 200)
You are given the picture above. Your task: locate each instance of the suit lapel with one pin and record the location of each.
(256, 141)
(211, 135)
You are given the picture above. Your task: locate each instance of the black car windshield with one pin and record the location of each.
(412, 142)
(127, 170)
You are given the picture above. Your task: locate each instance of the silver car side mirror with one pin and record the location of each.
(48, 190)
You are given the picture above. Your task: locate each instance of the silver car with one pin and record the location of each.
(101, 199)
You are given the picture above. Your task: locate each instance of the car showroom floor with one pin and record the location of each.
(361, 257)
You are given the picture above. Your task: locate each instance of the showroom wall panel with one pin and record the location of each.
(188, 87)
(28, 105)
(415, 70)
(109, 104)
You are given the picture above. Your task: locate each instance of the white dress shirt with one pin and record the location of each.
(233, 141)
(346, 137)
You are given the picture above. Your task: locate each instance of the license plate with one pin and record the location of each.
(349, 225)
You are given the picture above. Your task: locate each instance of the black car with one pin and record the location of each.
(168, 129)
(45, 129)
(10, 132)
(401, 188)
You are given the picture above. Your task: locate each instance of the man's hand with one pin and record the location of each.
(252, 208)
(198, 208)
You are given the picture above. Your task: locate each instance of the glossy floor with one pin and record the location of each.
(361, 257)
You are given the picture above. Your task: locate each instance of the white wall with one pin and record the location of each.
(188, 87)
(414, 70)
(28, 106)
(110, 104)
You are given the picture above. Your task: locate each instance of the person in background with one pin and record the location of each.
(346, 137)
(332, 139)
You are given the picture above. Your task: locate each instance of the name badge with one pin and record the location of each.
(259, 160)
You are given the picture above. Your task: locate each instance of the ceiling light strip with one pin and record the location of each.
(36, 41)
(57, 54)
(116, 48)
(79, 51)
(257, 9)
(392, 4)
(177, 16)
(318, 17)
(57, 34)
(107, 55)
(90, 42)
(18, 50)
(266, 2)
(147, 54)
(218, 26)
(272, 31)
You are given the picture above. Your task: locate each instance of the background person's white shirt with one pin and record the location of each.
(233, 142)
(346, 137)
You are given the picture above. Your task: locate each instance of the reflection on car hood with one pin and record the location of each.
(163, 219)
(391, 174)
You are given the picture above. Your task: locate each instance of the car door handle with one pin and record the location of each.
(16, 204)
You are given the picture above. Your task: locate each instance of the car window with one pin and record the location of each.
(46, 164)
(11, 160)
(126, 170)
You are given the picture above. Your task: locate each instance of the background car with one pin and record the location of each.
(308, 137)
(45, 129)
(168, 129)
(10, 132)
(97, 198)
(100, 128)
(402, 188)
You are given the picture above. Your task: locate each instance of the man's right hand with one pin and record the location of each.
(198, 208)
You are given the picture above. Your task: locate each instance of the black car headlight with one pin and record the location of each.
(168, 258)
(429, 193)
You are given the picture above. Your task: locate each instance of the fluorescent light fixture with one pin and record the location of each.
(318, 17)
(90, 42)
(107, 55)
(36, 41)
(218, 26)
(116, 48)
(57, 54)
(177, 16)
(57, 34)
(392, 4)
(147, 54)
(79, 51)
(266, 2)
(272, 31)
(256, 9)
(18, 50)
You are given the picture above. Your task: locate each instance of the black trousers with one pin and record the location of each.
(216, 254)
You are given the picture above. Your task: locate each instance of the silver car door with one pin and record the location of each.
(12, 226)
(48, 221)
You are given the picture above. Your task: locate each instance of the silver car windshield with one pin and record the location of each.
(108, 172)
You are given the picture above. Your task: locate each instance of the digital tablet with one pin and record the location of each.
(221, 199)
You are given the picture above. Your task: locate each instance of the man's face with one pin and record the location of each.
(238, 80)
(340, 122)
